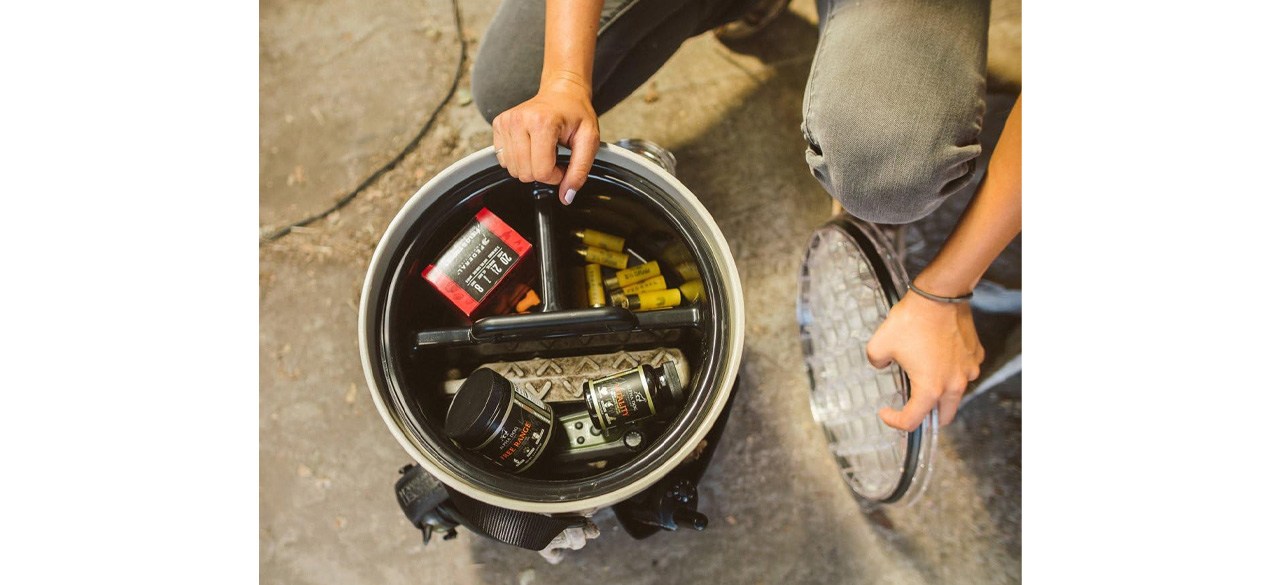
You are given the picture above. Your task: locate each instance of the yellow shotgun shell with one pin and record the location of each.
(652, 284)
(597, 239)
(688, 271)
(676, 253)
(616, 260)
(595, 286)
(692, 290)
(630, 276)
(648, 301)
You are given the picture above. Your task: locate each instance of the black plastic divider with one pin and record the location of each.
(545, 202)
(600, 320)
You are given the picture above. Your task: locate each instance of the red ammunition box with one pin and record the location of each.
(477, 270)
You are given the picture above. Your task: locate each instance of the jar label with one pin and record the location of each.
(522, 435)
(622, 398)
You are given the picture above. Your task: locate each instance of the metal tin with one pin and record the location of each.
(634, 395)
(492, 418)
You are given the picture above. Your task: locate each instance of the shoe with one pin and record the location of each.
(756, 18)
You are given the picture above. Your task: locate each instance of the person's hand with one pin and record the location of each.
(937, 345)
(525, 137)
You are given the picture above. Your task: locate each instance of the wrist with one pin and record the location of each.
(939, 299)
(564, 81)
(943, 284)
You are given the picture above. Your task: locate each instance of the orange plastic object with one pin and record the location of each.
(529, 301)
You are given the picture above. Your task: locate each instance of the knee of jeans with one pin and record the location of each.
(496, 88)
(890, 176)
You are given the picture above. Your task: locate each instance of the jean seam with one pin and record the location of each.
(813, 73)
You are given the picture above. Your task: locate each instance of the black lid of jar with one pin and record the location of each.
(476, 407)
(671, 373)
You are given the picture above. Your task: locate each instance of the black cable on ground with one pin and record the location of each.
(349, 197)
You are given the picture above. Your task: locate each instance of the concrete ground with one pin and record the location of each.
(343, 86)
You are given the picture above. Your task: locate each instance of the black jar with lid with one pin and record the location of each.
(491, 417)
(632, 395)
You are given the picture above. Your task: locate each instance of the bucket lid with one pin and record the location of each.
(849, 280)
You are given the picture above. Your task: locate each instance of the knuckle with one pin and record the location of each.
(535, 119)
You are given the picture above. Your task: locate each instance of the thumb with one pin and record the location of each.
(584, 143)
(911, 415)
(878, 352)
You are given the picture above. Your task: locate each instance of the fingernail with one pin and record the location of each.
(568, 196)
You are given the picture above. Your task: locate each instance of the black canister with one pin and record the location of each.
(489, 416)
(633, 395)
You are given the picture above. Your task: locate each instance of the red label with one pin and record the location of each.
(450, 289)
(477, 261)
(503, 231)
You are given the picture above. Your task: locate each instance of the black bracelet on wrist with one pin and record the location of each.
(940, 299)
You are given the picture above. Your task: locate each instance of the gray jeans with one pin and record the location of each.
(892, 111)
